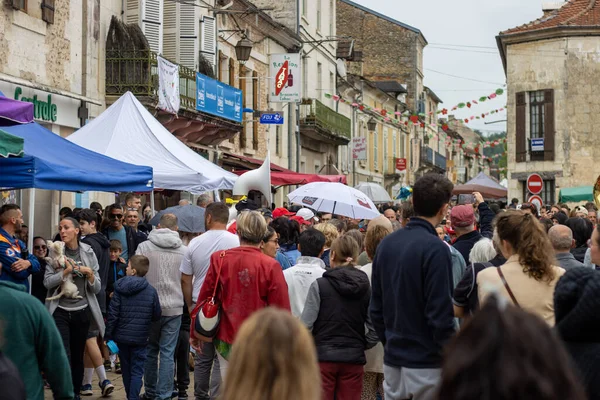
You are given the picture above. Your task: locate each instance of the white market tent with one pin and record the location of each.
(126, 131)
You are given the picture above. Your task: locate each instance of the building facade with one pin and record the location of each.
(52, 52)
(552, 108)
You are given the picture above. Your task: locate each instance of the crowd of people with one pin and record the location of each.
(430, 300)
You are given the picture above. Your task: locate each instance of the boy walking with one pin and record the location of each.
(133, 307)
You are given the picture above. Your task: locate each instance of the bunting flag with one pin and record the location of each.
(470, 104)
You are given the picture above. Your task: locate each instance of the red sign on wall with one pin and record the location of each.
(535, 184)
(401, 164)
(281, 78)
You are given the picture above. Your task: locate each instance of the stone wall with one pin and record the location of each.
(390, 51)
(283, 11)
(544, 65)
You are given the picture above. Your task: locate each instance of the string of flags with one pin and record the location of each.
(469, 104)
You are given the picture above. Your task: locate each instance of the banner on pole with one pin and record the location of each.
(168, 86)
(359, 148)
(285, 82)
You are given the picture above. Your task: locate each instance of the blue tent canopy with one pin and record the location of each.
(53, 163)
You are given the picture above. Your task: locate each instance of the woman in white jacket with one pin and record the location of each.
(373, 378)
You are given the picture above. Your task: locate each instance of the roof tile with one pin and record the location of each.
(572, 13)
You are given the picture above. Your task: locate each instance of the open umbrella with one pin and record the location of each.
(375, 192)
(335, 198)
(190, 218)
(10, 145)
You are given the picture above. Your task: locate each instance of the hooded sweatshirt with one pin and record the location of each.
(336, 311)
(165, 250)
(577, 313)
(134, 306)
(101, 246)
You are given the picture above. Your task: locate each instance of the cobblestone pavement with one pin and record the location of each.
(119, 393)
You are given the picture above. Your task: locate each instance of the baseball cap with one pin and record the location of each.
(581, 209)
(281, 212)
(307, 214)
(462, 216)
(300, 220)
(266, 213)
(246, 204)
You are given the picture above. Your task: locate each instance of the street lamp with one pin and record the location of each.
(243, 48)
(371, 124)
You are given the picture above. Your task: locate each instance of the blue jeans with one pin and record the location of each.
(132, 359)
(163, 340)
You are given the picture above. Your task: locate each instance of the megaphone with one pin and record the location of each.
(258, 179)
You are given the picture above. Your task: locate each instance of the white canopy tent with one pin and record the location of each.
(126, 131)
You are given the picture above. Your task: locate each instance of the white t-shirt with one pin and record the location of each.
(196, 259)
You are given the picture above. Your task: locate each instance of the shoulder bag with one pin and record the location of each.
(208, 310)
(510, 293)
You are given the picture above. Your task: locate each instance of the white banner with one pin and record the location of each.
(359, 148)
(285, 78)
(168, 86)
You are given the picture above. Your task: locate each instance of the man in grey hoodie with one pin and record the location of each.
(165, 250)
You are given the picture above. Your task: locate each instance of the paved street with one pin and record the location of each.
(119, 393)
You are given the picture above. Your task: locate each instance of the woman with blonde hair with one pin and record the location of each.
(530, 274)
(336, 311)
(331, 233)
(289, 372)
(246, 281)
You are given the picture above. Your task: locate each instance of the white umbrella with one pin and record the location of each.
(375, 192)
(335, 198)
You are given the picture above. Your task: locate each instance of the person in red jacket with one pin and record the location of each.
(249, 281)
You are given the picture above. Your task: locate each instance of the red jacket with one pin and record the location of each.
(250, 281)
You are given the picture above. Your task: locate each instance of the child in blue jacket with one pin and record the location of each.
(133, 307)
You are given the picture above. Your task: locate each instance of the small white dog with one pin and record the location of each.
(58, 260)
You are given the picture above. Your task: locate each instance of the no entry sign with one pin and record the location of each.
(537, 200)
(535, 184)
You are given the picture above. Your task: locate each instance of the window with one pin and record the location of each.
(536, 114)
(331, 18)
(402, 144)
(385, 144)
(375, 150)
(304, 77)
(20, 5)
(245, 101)
(278, 140)
(231, 72)
(304, 7)
(317, 168)
(319, 80)
(255, 107)
(318, 15)
(333, 86)
(394, 144)
(547, 194)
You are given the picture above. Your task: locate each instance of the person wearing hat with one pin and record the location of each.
(463, 223)
(308, 215)
(282, 212)
(242, 205)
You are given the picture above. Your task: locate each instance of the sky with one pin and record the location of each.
(462, 42)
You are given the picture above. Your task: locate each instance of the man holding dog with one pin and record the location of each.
(16, 262)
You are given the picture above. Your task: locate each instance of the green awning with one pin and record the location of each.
(576, 194)
(10, 145)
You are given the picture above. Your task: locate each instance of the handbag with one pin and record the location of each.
(510, 293)
(208, 311)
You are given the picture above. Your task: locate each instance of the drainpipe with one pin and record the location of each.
(298, 104)
(290, 135)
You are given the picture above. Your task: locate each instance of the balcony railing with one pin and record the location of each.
(137, 71)
(433, 158)
(319, 115)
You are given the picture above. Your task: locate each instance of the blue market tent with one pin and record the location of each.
(53, 163)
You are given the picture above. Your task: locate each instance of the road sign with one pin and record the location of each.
(274, 118)
(535, 184)
(537, 200)
(401, 164)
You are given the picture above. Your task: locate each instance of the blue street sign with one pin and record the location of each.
(271, 118)
(537, 144)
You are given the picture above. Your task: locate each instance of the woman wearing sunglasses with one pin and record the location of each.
(40, 251)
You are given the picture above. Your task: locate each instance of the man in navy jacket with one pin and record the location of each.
(411, 304)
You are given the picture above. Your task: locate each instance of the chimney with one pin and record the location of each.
(550, 6)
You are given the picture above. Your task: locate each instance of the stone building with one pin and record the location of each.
(54, 51)
(467, 161)
(391, 50)
(551, 65)
(322, 128)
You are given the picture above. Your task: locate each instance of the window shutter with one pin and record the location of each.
(242, 86)
(152, 23)
(255, 107)
(549, 130)
(520, 139)
(170, 29)
(208, 42)
(48, 11)
(132, 12)
(188, 35)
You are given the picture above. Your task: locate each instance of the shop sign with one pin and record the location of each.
(359, 148)
(285, 82)
(216, 98)
(48, 108)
